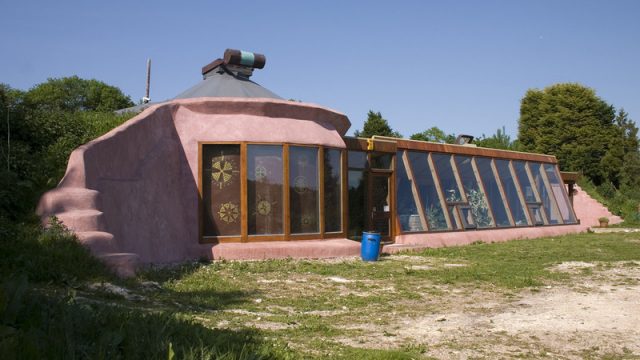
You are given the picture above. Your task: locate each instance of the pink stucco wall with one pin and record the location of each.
(131, 195)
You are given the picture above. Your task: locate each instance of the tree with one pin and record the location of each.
(434, 134)
(499, 140)
(572, 123)
(47, 123)
(376, 125)
(76, 94)
(630, 170)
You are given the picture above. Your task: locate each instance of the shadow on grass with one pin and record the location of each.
(61, 326)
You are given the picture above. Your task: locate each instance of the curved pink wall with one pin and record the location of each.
(131, 195)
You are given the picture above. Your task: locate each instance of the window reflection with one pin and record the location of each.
(559, 193)
(511, 192)
(264, 189)
(493, 191)
(381, 161)
(357, 160)
(442, 162)
(406, 203)
(304, 202)
(548, 203)
(525, 183)
(332, 190)
(357, 202)
(427, 189)
(475, 196)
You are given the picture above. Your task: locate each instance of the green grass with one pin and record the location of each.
(518, 264)
(273, 309)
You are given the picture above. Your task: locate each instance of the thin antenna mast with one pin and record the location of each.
(146, 97)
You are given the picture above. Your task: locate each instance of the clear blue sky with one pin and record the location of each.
(460, 65)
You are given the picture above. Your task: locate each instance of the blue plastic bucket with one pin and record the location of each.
(370, 246)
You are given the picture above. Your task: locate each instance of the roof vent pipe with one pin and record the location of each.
(236, 62)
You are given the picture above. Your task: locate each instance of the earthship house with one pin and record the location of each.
(228, 169)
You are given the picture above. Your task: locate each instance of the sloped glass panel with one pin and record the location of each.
(493, 191)
(548, 202)
(525, 184)
(475, 196)
(511, 192)
(407, 204)
(304, 199)
(558, 189)
(442, 163)
(427, 189)
(332, 190)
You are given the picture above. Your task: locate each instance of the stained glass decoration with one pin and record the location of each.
(229, 212)
(221, 190)
(223, 170)
(265, 189)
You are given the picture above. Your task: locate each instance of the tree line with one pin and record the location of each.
(41, 126)
(567, 120)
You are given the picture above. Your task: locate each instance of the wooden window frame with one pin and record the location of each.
(534, 188)
(476, 172)
(503, 194)
(565, 195)
(286, 223)
(523, 203)
(552, 195)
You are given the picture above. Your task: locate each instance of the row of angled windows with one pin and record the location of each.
(437, 191)
(286, 189)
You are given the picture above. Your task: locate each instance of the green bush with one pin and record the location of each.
(623, 202)
(51, 254)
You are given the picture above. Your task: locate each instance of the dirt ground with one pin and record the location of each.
(597, 316)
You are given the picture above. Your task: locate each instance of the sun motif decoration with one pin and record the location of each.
(222, 171)
(228, 212)
(300, 184)
(264, 207)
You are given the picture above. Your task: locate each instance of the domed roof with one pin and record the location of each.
(227, 81)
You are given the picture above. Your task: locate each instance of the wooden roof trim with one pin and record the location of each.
(474, 151)
(569, 177)
(386, 144)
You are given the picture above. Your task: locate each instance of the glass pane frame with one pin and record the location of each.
(304, 180)
(560, 194)
(221, 175)
(476, 193)
(517, 205)
(534, 206)
(326, 151)
(416, 221)
(267, 198)
(434, 208)
(542, 183)
(286, 235)
(495, 198)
